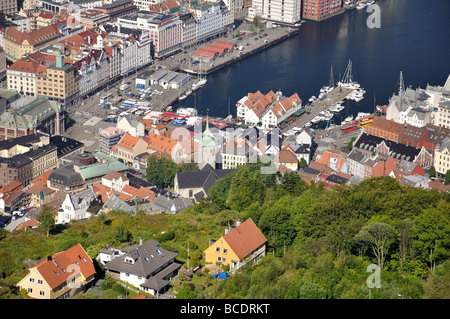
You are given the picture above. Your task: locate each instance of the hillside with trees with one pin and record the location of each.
(320, 241)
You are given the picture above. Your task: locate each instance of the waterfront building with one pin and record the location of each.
(280, 11)
(384, 128)
(321, 9)
(189, 33)
(267, 111)
(212, 20)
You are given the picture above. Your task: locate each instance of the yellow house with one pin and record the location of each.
(60, 275)
(243, 244)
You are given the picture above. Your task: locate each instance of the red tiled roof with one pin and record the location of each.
(36, 37)
(72, 261)
(245, 238)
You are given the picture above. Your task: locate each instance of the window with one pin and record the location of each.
(217, 249)
(39, 282)
(225, 251)
(31, 279)
(41, 293)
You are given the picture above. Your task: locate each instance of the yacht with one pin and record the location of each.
(360, 115)
(348, 119)
(312, 98)
(317, 119)
(338, 108)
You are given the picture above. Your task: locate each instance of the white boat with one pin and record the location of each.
(312, 98)
(348, 119)
(317, 119)
(188, 92)
(360, 115)
(338, 108)
(358, 98)
(182, 97)
(190, 111)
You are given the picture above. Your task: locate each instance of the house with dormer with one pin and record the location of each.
(146, 266)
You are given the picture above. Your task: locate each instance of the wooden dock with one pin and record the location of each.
(333, 97)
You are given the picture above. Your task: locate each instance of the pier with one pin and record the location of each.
(336, 95)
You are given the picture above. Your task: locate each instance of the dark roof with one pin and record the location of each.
(16, 161)
(26, 140)
(204, 178)
(65, 145)
(66, 177)
(396, 150)
(337, 179)
(148, 259)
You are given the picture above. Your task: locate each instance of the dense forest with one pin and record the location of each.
(321, 241)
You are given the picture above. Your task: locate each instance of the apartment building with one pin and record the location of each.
(281, 11)
(321, 9)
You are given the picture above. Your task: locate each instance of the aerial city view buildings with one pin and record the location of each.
(234, 149)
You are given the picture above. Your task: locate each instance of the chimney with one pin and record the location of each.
(238, 222)
(49, 258)
(140, 241)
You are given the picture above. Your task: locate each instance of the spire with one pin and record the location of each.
(401, 84)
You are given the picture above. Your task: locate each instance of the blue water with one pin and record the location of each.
(414, 38)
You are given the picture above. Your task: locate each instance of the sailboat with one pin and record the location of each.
(330, 87)
(347, 80)
(201, 81)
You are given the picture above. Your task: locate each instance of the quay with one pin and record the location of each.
(250, 46)
(336, 95)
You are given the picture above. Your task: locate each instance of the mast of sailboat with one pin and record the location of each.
(331, 77)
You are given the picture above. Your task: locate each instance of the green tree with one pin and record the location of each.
(447, 177)
(350, 144)
(161, 171)
(189, 167)
(432, 236)
(121, 234)
(46, 219)
(378, 236)
(432, 171)
(302, 162)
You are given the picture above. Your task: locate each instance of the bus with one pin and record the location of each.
(366, 121)
(105, 97)
(349, 128)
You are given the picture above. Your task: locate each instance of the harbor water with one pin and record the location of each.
(413, 38)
